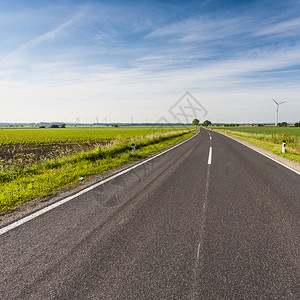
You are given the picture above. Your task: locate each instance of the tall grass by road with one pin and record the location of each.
(24, 183)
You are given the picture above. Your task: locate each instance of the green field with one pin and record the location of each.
(266, 130)
(32, 145)
(72, 135)
(35, 163)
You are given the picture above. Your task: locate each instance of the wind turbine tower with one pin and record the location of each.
(277, 110)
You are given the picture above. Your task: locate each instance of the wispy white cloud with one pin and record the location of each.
(197, 29)
(287, 27)
(15, 56)
(227, 29)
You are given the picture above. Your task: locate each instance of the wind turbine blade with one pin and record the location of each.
(275, 102)
(281, 102)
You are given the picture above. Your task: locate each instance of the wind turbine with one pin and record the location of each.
(277, 110)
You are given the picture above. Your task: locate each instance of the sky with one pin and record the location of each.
(124, 61)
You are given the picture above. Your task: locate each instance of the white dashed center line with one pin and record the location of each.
(209, 156)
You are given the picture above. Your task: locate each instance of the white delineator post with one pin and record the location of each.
(283, 146)
(133, 148)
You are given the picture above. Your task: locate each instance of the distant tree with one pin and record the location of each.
(54, 126)
(196, 122)
(63, 125)
(42, 126)
(297, 124)
(206, 123)
(283, 124)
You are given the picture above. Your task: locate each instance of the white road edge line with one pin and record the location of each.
(56, 204)
(209, 156)
(280, 163)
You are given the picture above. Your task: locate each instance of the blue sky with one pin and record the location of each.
(62, 60)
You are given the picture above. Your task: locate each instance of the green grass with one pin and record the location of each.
(24, 183)
(295, 131)
(45, 136)
(269, 138)
(20, 146)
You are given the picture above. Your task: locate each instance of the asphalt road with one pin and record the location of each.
(186, 225)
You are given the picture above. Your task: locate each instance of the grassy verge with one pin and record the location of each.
(270, 142)
(24, 183)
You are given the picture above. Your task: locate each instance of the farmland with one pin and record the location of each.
(27, 146)
(267, 130)
(72, 135)
(37, 163)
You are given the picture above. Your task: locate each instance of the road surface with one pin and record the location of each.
(210, 219)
